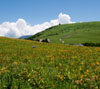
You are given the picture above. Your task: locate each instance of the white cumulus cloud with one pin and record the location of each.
(21, 27)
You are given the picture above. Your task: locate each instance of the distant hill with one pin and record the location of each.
(24, 37)
(71, 33)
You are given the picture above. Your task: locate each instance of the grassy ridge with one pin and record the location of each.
(49, 66)
(72, 33)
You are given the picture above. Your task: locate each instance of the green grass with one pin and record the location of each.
(78, 32)
(49, 66)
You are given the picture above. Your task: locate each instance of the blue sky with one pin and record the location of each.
(28, 17)
(39, 11)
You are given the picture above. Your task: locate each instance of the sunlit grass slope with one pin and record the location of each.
(88, 32)
(48, 66)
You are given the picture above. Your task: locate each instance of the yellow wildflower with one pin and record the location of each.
(15, 63)
(72, 63)
(97, 63)
(85, 75)
(81, 76)
(80, 69)
(3, 68)
(58, 76)
(82, 63)
(53, 85)
(60, 64)
(56, 67)
(61, 78)
(87, 71)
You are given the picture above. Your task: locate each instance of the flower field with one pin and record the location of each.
(48, 66)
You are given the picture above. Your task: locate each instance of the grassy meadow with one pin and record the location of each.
(48, 66)
(76, 33)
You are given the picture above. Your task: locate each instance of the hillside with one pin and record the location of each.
(47, 66)
(88, 32)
